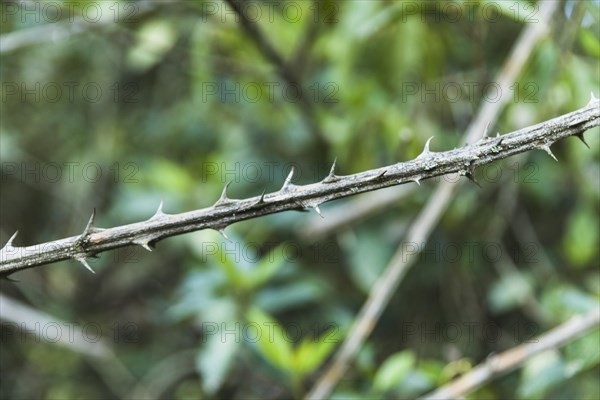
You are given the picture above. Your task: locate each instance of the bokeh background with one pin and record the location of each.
(151, 101)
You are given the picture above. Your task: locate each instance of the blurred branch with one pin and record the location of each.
(284, 70)
(507, 361)
(115, 374)
(421, 228)
(290, 197)
(56, 31)
(163, 375)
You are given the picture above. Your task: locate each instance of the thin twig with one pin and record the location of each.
(284, 70)
(421, 228)
(507, 361)
(227, 211)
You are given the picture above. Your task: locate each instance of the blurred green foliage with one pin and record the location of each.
(172, 102)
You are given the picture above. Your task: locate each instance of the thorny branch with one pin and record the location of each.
(227, 211)
(422, 226)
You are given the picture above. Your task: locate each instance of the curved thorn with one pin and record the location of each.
(318, 210)
(288, 181)
(592, 97)
(159, 211)
(580, 137)
(223, 199)
(426, 150)
(83, 262)
(546, 148)
(417, 181)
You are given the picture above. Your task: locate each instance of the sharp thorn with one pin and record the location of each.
(89, 228)
(580, 137)
(83, 262)
(222, 232)
(546, 148)
(159, 211)
(592, 97)
(426, 150)
(485, 131)
(331, 177)
(380, 175)
(9, 244)
(471, 177)
(417, 181)
(223, 199)
(288, 181)
(332, 170)
(261, 200)
(318, 210)
(144, 243)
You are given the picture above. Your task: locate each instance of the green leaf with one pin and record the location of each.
(313, 351)
(563, 302)
(271, 342)
(590, 43)
(214, 360)
(234, 276)
(510, 291)
(540, 374)
(291, 295)
(584, 353)
(518, 11)
(393, 370)
(154, 39)
(580, 241)
(266, 268)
